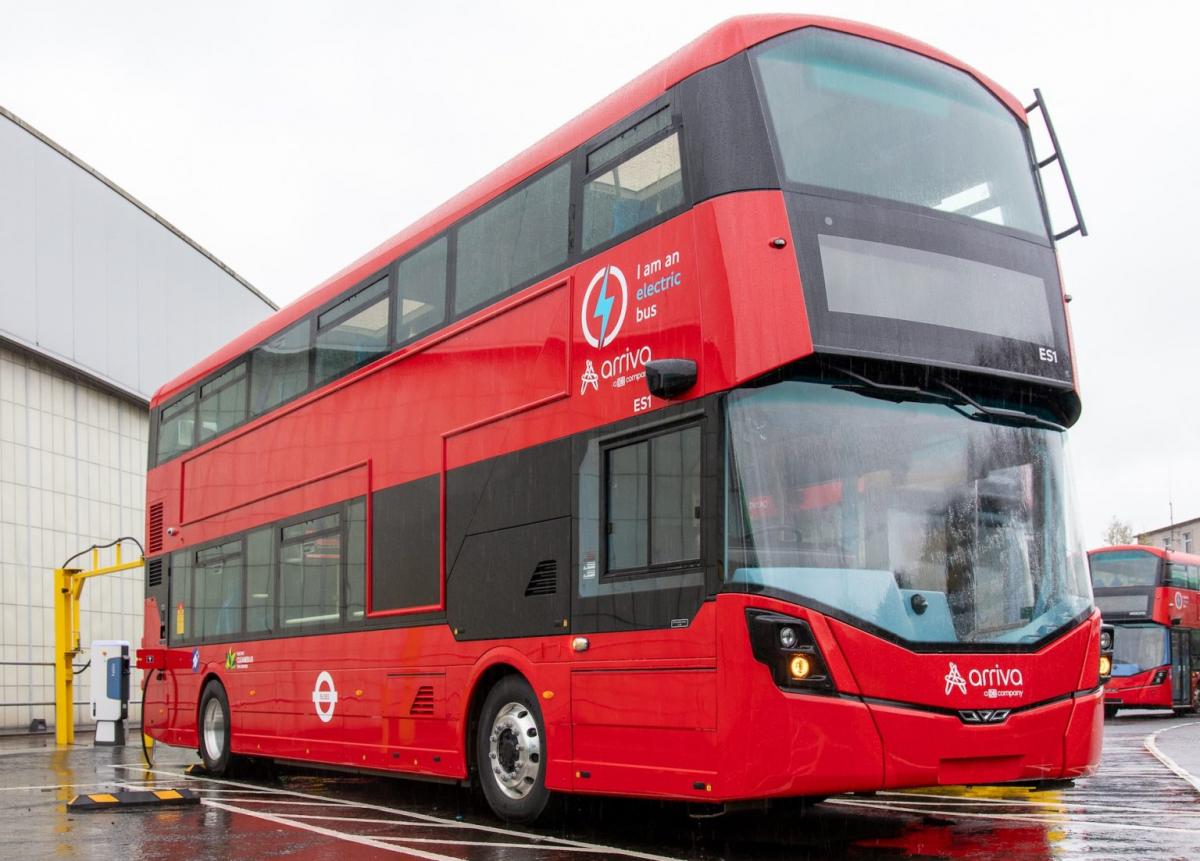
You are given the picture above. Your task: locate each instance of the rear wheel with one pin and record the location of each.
(510, 752)
(214, 729)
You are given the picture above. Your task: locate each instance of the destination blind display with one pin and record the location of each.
(887, 281)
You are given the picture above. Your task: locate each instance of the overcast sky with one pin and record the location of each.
(289, 138)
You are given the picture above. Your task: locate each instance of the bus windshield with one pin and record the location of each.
(1116, 568)
(856, 115)
(1137, 648)
(909, 517)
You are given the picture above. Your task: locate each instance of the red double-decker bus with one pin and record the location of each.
(1152, 596)
(712, 449)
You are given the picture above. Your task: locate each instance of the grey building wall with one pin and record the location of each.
(92, 278)
(101, 302)
(1184, 537)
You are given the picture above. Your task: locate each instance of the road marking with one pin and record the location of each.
(1060, 821)
(917, 798)
(406, 823)
(1150, 743)
(406, 840)
(421, 817)
(329, 832)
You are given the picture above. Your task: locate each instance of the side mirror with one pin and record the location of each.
(669, 378)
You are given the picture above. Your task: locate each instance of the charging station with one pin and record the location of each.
(110, 689)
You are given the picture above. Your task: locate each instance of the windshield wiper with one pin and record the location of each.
(955, 400)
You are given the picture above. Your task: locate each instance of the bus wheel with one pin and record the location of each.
(1110, 711)
(214, 729)
(510, 752)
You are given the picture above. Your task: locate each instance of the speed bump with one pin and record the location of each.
(132, 798)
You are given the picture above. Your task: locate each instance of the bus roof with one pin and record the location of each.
(1169, 555)
(714, 46)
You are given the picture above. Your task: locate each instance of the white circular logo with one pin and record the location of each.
(324, 696)
(1178, 600)
(607, 319)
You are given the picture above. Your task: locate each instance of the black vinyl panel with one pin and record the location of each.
(512, 582)
(728, 147)
(405, 563)
(156, 588)
(525, 486)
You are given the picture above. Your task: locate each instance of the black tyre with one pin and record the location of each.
(510, 752)
(213, 729)
(1111, 711)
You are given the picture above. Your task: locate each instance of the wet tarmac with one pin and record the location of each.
(1144, 803)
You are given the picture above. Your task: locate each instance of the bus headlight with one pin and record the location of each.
(789, 650)
(1108, 636)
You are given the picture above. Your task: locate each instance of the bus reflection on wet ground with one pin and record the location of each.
(1141, 804)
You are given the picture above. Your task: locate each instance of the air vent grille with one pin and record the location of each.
(154, 572)
(154, 531)
(423, 702)
(544, 580)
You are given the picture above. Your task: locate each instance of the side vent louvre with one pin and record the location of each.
(423, 702)
(154, 572)
(544, 580)
(154, 531)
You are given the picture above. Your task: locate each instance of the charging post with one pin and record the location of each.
(68, 588)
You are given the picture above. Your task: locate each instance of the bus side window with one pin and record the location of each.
(310, 567)
(260, 580)
(177, 427)
(421, 291)
(356, 560)
(352, 332)
(652, 503)
(635, 190)
(279, 368)
(180, 623)
(218, 589)
(521, 236)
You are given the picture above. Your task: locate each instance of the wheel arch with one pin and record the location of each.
(488, 670)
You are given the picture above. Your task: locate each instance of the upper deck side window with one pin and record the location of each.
(352, 332)
(421, 291)
(279, 368)
(633, 179)
(222, 402)
(859, 116)
(515, 239)
(177, 427)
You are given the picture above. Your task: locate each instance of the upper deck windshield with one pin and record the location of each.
(1117, 568)
(857, 115)
(909, 517)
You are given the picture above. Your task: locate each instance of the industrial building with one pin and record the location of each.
(1183, 536)
(101, 301)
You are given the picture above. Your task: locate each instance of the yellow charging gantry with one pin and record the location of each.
(68, 586)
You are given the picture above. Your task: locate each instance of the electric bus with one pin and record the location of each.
(1152, 596)
(711, 449)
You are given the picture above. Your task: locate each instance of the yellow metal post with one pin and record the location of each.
(68, 587)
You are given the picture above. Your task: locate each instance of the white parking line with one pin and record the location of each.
(420, 817)
(949, 800)
(1060, 821)
(401, 822)
(1150, 743)
(329, 832)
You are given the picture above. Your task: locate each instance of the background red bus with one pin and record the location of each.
(1152, 596)
(624, 473)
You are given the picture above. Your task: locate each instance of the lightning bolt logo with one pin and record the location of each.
(609, 308)
(604, 305)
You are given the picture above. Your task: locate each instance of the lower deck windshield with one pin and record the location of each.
(1137, 648)
(909, 517)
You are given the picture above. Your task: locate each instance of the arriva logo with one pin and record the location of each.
(600, 317)
(989, 678)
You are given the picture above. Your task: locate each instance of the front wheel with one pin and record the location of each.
(1110, 711)
(510, 752)
(214, 729)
